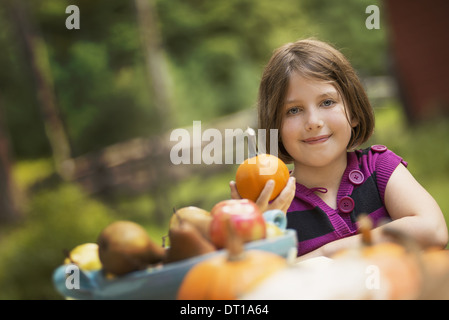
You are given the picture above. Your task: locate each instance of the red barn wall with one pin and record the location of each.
(419, 40)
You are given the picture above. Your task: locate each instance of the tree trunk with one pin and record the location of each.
(9, 211)
(155, 60)
(36, 53)
(159, 88)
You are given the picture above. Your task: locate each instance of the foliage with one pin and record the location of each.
(215, 50)
(344, 26)
(57, 219)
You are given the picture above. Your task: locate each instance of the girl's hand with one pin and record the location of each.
(281, 202)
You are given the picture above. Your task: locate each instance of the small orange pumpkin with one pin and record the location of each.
(253, 174)
(436, 262)
(398, 267)
(229, 276)
(397, 263)
(436, 274)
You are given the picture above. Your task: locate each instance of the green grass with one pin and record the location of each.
(56, 219)
(28, 172)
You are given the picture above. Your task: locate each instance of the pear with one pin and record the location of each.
(199, 218)
(125, 246)
(85, 256)
(186, 242)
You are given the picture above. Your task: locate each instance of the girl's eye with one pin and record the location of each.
(294, 110)
(328, 103)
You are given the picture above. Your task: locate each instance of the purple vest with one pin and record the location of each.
(362, 190)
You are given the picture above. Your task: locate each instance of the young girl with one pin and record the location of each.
(312, 95)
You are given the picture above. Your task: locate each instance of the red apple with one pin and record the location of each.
(245, 216)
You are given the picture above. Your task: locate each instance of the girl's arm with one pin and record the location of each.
(413, 211)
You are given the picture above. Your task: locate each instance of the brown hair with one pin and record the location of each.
(319, 61)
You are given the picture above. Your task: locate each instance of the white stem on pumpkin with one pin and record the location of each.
(252, 142)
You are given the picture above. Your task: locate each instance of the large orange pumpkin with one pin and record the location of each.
(229, 276)
(253, 174)
(220, 278)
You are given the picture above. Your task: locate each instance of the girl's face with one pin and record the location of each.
(315, 130)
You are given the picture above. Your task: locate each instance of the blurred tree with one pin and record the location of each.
(36, 53)
(155, 59)
(9, 210)
(158, 80)
(213, 51)
(100, 73)
(218, 48)
(27, 136)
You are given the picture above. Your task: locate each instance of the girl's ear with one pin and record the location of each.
(354, 122)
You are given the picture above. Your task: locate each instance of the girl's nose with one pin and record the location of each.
(314, 121)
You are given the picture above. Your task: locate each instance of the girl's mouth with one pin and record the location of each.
(317, 139)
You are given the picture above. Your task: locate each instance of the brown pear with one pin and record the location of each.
(186, 242)
(125, 246)
(199, 218)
